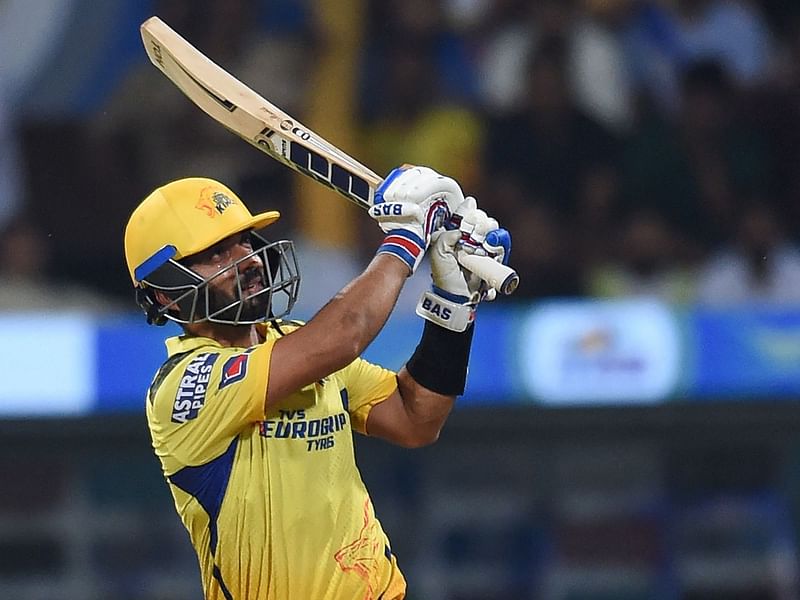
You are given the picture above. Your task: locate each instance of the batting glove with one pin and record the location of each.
(409, 206)
(456, 292)
(480, 235)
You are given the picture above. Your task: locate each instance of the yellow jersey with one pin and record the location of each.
(273, 502)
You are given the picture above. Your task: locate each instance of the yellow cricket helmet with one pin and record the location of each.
(185, 217)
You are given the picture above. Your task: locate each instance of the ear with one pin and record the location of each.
(161, 297)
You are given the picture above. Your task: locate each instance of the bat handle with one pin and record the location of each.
(501, 277)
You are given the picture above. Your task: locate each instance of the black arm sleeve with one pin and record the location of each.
(440, 361)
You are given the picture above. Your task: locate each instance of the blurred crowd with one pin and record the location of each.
(632, 147)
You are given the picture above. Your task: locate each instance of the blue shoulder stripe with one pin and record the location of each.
(208, 483)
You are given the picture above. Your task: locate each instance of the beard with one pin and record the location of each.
(255, 304)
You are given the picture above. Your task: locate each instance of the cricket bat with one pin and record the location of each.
(253, 118)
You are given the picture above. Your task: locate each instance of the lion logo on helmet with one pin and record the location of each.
(213, 202)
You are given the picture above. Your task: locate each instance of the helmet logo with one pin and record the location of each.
(213, 202)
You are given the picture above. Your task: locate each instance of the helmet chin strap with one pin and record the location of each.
(151, 306)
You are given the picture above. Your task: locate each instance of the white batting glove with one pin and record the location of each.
(409, 206)
(481, 235)
(456, 292)
(449, 301)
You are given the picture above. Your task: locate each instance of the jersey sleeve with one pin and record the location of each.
(205, 401)
(364, 385)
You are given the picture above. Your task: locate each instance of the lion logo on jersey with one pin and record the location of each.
(362, 555)
(213, 202)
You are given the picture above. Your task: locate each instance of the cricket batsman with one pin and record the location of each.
(251, 415)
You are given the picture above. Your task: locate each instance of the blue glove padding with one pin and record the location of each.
(498, 242)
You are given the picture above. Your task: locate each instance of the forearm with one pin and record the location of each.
(427, 411)
(362, 307)
(345, 326)
(432, 379)
(426, 391)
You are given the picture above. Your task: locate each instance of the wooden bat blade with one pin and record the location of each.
(253, 118)
(256, 120)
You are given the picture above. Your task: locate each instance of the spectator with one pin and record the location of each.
(419, 25)
(596, 67)
(732, 31)
(600, 71)
(543, 255)
(550, 166)
(417, 124)
(514, 28)
(665, 37)
(546, 151)
(647, 263)
(760, 265)
(26, 282)
(546, 157)
(692, 170)
(11, 191)
(774, 109)
(174, 137)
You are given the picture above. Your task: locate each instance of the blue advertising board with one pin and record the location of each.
(745, 353)
(554, 354)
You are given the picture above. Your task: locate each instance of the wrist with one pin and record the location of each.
(404, 245)
(392, 264)
(440, 360)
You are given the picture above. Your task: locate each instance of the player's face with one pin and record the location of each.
(224, 281)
